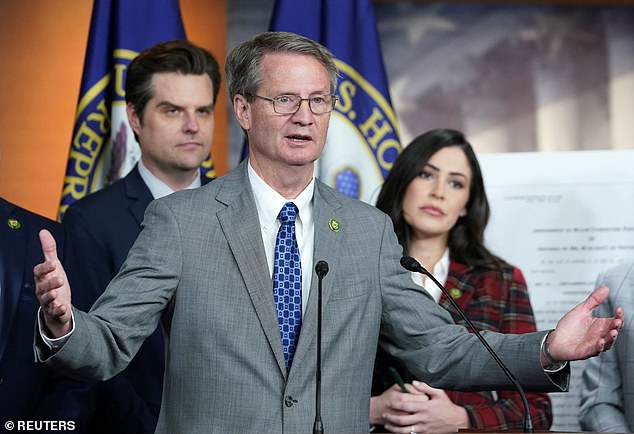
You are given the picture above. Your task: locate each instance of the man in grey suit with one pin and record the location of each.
(207, 264)
(607, 393)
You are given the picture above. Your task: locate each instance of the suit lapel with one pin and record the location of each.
(15, 240)
(459, 284)
(138, 194)
(325, 209)
(241, 227)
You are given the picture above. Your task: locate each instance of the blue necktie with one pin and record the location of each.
(287, 281)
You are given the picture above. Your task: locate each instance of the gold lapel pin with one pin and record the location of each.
(13, 223)
(455, 293)
(334, 225)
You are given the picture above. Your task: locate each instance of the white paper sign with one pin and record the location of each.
(561, 218)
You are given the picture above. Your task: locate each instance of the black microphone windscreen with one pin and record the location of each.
(321, 268)
(412, 264)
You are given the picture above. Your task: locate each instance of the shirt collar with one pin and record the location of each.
(440, 272)
(269, 202)
(157, 187)
(441, 269)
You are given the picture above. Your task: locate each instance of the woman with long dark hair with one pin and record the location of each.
(435, 197)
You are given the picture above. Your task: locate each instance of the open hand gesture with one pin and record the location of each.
(52, 289)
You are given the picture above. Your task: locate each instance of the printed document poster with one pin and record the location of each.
(561, 217)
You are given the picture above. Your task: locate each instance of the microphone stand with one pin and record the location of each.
(318, 428)
(412, 264)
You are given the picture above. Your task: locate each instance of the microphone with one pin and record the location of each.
(318, 428)
(321, 269)
(412, 264)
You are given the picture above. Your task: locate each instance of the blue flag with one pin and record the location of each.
(103, 147)
(362, 141)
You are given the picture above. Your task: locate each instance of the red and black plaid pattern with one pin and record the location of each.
(498, 302)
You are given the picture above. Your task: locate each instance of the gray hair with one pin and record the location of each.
(242, 68)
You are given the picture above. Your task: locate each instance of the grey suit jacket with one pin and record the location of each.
(607, 393)
(199, 265)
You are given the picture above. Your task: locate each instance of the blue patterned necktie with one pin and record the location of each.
(287, 281)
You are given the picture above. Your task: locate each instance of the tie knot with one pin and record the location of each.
(288, 213)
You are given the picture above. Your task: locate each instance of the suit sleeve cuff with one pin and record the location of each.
(54, 344)
(551, 366)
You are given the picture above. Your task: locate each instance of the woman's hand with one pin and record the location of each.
(423, 410)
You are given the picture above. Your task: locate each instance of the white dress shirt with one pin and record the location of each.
(440, 272)
(157, 187)
(268, 204)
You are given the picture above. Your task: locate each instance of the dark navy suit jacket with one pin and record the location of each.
(28, 391)
(101, 229)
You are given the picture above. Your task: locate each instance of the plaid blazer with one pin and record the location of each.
(496, 302)
(493, 301)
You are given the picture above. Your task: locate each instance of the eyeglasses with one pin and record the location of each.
(289, 104)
